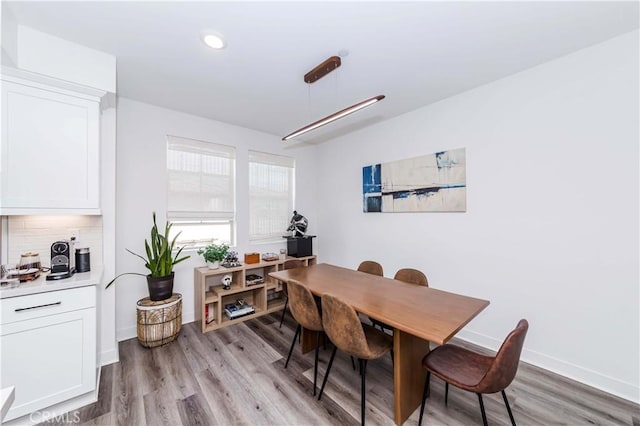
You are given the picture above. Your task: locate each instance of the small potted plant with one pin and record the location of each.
(214, 253)
(160, 261)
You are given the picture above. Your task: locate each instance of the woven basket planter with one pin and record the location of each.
(159, 323)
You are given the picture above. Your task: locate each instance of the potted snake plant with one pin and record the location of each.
(160, 261)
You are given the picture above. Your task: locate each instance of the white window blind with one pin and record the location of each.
(201, 188)
(271, 189)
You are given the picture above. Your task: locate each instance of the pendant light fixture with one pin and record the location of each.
(316, 74)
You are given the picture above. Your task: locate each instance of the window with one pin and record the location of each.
(271, 186)
(201, 191)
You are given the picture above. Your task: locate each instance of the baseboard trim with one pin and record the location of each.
(126, 333)
(109, 357)
(575, 372)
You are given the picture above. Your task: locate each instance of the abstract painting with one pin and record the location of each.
(429, 183)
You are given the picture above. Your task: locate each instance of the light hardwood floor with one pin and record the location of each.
(235, 376)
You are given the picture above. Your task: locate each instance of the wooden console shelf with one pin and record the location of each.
(210, 297)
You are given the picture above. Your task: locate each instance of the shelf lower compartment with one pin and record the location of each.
(275, 305)
(272, 307)
(227, 321)
(214, 325)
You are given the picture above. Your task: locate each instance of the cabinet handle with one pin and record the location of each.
(39, 306)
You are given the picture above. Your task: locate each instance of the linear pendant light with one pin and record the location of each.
(316, 74)
(335, 116)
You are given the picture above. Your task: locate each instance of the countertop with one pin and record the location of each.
(41, 285)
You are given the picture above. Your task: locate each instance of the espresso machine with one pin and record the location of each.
(62, 260)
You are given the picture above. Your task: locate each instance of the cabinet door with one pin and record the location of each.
(48, 359)
(50, 151)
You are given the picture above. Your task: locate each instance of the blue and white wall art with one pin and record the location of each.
(429, 183)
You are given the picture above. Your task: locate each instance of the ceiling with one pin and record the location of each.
(415, 53)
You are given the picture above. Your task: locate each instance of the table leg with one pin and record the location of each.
(408, 374)
(307, 340)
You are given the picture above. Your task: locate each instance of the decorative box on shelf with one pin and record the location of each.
(251, 257)
(300, 246)
(270, 257)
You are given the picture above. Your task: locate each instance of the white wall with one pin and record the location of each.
(8, 36)
(141, 190)
(551, 228)
(49, 55)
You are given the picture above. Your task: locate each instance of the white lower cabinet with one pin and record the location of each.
(48, 347)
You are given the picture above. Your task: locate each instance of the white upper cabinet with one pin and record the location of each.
(50, 156)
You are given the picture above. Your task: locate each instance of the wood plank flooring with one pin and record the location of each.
(235, 376)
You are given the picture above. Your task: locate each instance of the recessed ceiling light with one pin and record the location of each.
(213, 41)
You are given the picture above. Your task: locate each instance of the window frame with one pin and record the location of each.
(266, 158)
(185, 217)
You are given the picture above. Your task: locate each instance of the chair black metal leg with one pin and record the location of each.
(353, 364)
(506, 402)
(284, 311)
(293, 342)
(446, 393)
(326, 375)
(484, 415)
(363, 392)
(315, 366)
(424, 396)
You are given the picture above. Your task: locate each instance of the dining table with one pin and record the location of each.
(418, 314)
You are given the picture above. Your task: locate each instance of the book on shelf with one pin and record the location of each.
(209, 313)
(237, 310)
(253, 279)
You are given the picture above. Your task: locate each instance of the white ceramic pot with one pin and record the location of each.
(213, 265)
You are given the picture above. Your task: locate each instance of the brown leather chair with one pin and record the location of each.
(305, 311)
(474, 372)
(411, 276)
(347, 333)
(289, 264)
(370, 267)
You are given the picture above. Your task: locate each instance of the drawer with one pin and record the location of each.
(43, 304)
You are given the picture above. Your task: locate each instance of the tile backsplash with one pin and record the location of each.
(37, 233)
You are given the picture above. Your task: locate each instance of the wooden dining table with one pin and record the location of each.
(418, 314)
